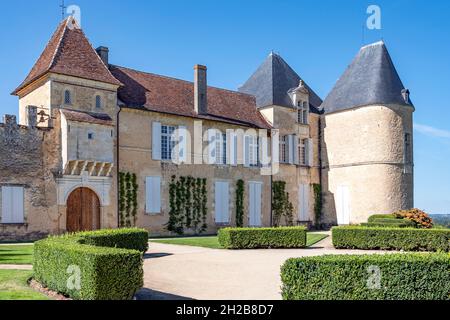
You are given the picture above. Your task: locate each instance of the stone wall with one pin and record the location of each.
(29, 157)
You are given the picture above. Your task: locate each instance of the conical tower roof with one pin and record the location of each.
(370, 79)
(272, 81)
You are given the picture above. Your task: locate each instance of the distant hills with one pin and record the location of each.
(441, 219)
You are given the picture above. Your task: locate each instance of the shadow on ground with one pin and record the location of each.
(156, 255)
(149, 294)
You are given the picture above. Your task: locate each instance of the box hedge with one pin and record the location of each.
(109, 263)
(254, 238)
(411, 276)
(407, 239)
(381, 216)
(386, 222)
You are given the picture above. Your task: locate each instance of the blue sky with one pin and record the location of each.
(317, 38)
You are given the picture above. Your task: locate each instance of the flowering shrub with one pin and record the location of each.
(421, 218)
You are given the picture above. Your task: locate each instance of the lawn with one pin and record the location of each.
(17, 254)
(213, 242)
(13, 286)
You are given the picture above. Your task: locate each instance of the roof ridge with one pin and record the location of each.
(181, 80)
(58, 45)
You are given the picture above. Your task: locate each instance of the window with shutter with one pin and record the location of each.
(222, 202)
(12, 205)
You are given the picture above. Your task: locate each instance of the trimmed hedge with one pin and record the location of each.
(383, 222)
(408, 239)
(381, 216)
(253, 238)
(413, 276)
(109, 262)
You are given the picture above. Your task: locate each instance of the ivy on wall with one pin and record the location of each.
(281, 205)
(128, 204)
(317, 203)
(240, 203)
(187, 205)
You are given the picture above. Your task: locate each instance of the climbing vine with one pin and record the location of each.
(188, 205)
(240, 203)
(317, 203)
(128, 205)
(281, 205)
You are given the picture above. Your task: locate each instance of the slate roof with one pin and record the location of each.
(369, 80)
(272, 81)
(69, 53)
(88, 117)
(147, 91)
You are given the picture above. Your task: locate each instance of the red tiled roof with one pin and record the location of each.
(88, 117)
(69, 53)
(157, 93)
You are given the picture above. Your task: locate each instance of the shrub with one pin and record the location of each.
(381, 216)
(408, 239)
(389, 222)
(421, 219)
(109, 263)
(252, 238)
(413, 276)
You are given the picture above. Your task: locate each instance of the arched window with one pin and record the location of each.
(67, 97)
(98, 102)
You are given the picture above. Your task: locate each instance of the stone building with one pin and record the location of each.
(102, 146)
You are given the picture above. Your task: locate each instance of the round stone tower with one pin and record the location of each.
(367, 141)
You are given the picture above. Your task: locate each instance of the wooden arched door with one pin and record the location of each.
(83, 211)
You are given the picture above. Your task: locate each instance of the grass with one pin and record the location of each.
(14, 286)
(212, 242)
(17, 254)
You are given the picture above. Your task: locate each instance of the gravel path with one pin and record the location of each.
(183, 272)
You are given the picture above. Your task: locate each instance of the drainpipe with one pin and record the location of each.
(118, 167)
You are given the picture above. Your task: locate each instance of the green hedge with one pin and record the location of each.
(407, 239)
(381, 216)
(109, 262)
(384, 222)
(413, 276)
(253, 238)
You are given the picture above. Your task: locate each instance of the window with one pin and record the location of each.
(284, 156)
(90, 136)
(12, 205)
(302, 112)
(222, 202)
(221, 148)
(168, 142)
(407, 155)
(153, 195)
(67, 97)
(98, 102)
(251, 151)
(302, 149)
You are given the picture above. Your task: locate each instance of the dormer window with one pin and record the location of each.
(98, 102)
(302, 112)
(67, 97)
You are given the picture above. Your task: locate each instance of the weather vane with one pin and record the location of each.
(63, 9)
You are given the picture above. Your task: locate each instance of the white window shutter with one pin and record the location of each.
(296, 151)
(246, 151)
(222, 202)
(291, 149)
(212, 146)
(182, 144)
(153, 195)
(156, 141)
(310, 150)
(12, 205)
(231, 148)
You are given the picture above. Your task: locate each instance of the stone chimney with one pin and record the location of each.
(103, 53)
(31, 116)
(200, 90)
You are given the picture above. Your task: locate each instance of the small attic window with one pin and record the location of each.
(98, 102)
(67, 97)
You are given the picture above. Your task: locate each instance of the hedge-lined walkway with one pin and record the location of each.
(183, 272)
